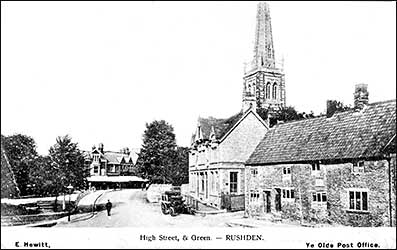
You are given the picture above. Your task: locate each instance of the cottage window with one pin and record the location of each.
(249, 88)
(254, 172)
(358, 200)
(287, 170)
(202, 182)
(358, 167)
(216, 182)
(288, 193)
(96, 158)
(319, 197)
(95, 169)
(254, 196)
(233, 182)
(286, 176)
(315, 168)
(212, 181)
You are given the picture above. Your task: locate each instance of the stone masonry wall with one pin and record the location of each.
(271, 177)
(374, 180)
(333, 179)
(393, 179)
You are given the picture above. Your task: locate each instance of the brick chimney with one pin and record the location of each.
(360, 96)
(331, 108)
(100, 147)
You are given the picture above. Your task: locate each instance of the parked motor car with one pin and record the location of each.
(173, 203)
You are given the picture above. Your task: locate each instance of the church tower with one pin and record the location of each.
(264, 84)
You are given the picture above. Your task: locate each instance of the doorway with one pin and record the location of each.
(267, 201)
(206, 185)
(277, 199)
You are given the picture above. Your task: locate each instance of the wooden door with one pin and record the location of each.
(277, 199)
(267, 201)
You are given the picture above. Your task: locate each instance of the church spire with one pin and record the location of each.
(264, 82)
(263, 48)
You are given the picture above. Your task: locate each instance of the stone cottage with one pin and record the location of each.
(339, 169)
(220, 148)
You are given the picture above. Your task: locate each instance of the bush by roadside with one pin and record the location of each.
(9, 209)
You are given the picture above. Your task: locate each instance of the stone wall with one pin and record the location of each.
(271, 177)
(393, 184)
(335, 180)
(374, 180)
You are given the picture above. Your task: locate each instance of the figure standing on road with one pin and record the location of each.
(108, 207)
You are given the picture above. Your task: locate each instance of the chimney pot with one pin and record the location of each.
(361, 96)
(331, 108)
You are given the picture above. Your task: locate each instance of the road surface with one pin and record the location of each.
(132, 210)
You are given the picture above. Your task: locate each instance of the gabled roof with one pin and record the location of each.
(346, 135)
(221, 127)
(114, 157)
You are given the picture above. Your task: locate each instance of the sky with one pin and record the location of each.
(99, 71)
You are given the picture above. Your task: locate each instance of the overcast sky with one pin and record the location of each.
(100, 70)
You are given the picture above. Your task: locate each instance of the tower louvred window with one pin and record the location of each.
(268, 90)
(274, 96)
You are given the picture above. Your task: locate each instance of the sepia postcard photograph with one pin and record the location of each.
(194, 125)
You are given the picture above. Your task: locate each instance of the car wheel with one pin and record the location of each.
(164, 209)
(173, 212)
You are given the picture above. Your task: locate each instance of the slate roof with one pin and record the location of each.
(221, 126)
(115, 157)
(346, 135)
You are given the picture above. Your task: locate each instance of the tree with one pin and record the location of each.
(334, 106)
(43, 177)
(284, 114)
(159, 156)
(21, 152)
(67, 165)
(179, 171)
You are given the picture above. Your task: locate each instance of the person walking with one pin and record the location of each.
(108, 207)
